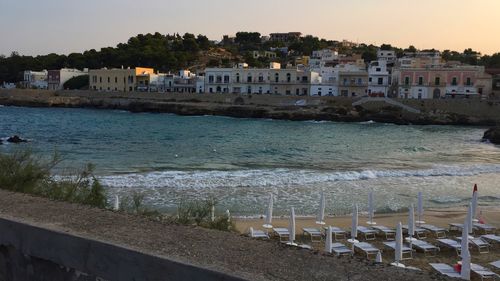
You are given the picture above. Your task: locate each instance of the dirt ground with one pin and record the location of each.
(222, 251)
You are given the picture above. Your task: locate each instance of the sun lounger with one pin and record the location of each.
(341, 250)
(425, 247)
(315, 234)
(367, 248)
(452, 244)
(445, 269)
(485, 228)
(419, 232)
(282, 233)
(483, 272)
(456, 226)
(492, 238)
(390, 234)
(407, 251)
(496, 264)
(482, 246)
(338, 233)
(258, 234)
(438, 231)
(369, 233)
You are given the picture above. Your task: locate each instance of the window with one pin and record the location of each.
(378, 69)
(420, 81)
(116, 80)
(276, 77)
(468, 82)
(109, 80)
(370, 79)
(360, 81)
(261, 78)
(437, 81)
(218, 79)
(237, 78)
(249, 89)
(100, 79)
(407, 80)
(226, 78)
(380, 80)
(210, 80)
(288, 77)
(249, 78)
(454, 81)
(297, 92)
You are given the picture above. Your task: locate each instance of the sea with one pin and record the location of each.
(171, 159)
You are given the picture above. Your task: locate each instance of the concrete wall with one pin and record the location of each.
(29, 252)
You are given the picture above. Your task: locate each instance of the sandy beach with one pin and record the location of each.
(437, 217)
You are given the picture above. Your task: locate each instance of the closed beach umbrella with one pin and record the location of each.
(328, 243)
(411, 223)
(378, 259)
(354, 224)
(116, 206)
(269, 213)
(371, 209)
(475, 195)
(465, 254)
(228, 214)
(320, 218)
(468, 219)
(291, 227)
(420, 209)
(398, 252)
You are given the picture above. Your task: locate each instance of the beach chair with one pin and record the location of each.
(452, 244)
(420, 232)
(258, 234)
(456, 226)
(368, 233)
(482, 246)
(425, 247)
(341, 250)
(496, 264)
(282, 233)
(483, 272)
(338, 233)
(492, 238)
(439, 232)
(445, 269)
(390, 234)
(367, 248)
(407, 251)
(485, 228)
(315, 234)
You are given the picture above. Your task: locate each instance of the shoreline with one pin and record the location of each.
(338, 109)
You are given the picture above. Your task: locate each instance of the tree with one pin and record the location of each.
(411, 49)
(77, 83)
(386, 47)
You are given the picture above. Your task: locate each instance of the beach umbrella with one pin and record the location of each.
(475, 195)
(320, 219)
(378, 259)
(291, 227)
(228, 214)
(212, 211)
(468, 219)
(465, 254)
(328, 243)
(116, 206)
(354, 224)
(269, 213)
(398, 252)
(420, 209)
(371, 209)
(411, 223)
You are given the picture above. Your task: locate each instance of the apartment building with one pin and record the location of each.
(120, 79)
(57, 78)
(35, 79)
(379, 79)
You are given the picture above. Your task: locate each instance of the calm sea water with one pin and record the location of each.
(240, 161)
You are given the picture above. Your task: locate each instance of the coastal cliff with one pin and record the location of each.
(430, 112)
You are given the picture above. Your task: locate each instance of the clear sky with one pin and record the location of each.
(63, 26)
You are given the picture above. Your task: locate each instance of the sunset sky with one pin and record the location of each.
(63, 26)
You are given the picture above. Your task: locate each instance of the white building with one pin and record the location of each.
(35, 79)
(329, 78)
(387, 55)
(322, 58)
(57, 78)
(6, 85)
(379, 78)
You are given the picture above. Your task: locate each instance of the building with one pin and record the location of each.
(121, 79)
(322, 58)
(379, 79)
(6, 85)
(285, 37)
(57, 78)
(352, 81)
(35, 79)
(264, 54)
(387, 55)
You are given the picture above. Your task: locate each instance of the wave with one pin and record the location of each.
(200, 179)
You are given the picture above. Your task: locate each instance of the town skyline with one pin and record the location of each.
(76, 27)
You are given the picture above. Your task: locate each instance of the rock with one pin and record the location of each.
(493, 135)
(16, 139)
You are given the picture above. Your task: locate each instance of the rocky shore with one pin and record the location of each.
(433, 112)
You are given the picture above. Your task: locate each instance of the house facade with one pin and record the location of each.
(120, 79)
(35, 79)
(57, 78)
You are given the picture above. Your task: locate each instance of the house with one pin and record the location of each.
(389, 56)
(379, 79)
(352, 81)
(35, 79)
(322, 58)
(57, 78)
(120, 79)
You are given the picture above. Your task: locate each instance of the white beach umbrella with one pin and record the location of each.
(398, 252)
(465, 254)
(468, 219)
(475, 195)
(212, 212)
(378, 259)
(320, 218)
(354, 225)
(228, 214)
(420, 209)
(411, 223)
(371, 209)
(291, 227)
(328, 243)
(116, 205)
(269, 213)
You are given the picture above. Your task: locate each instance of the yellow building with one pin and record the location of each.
(120, 79)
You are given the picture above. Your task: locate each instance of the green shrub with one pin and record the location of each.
(77, 83)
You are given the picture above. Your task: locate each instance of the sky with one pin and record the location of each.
(33, 27)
